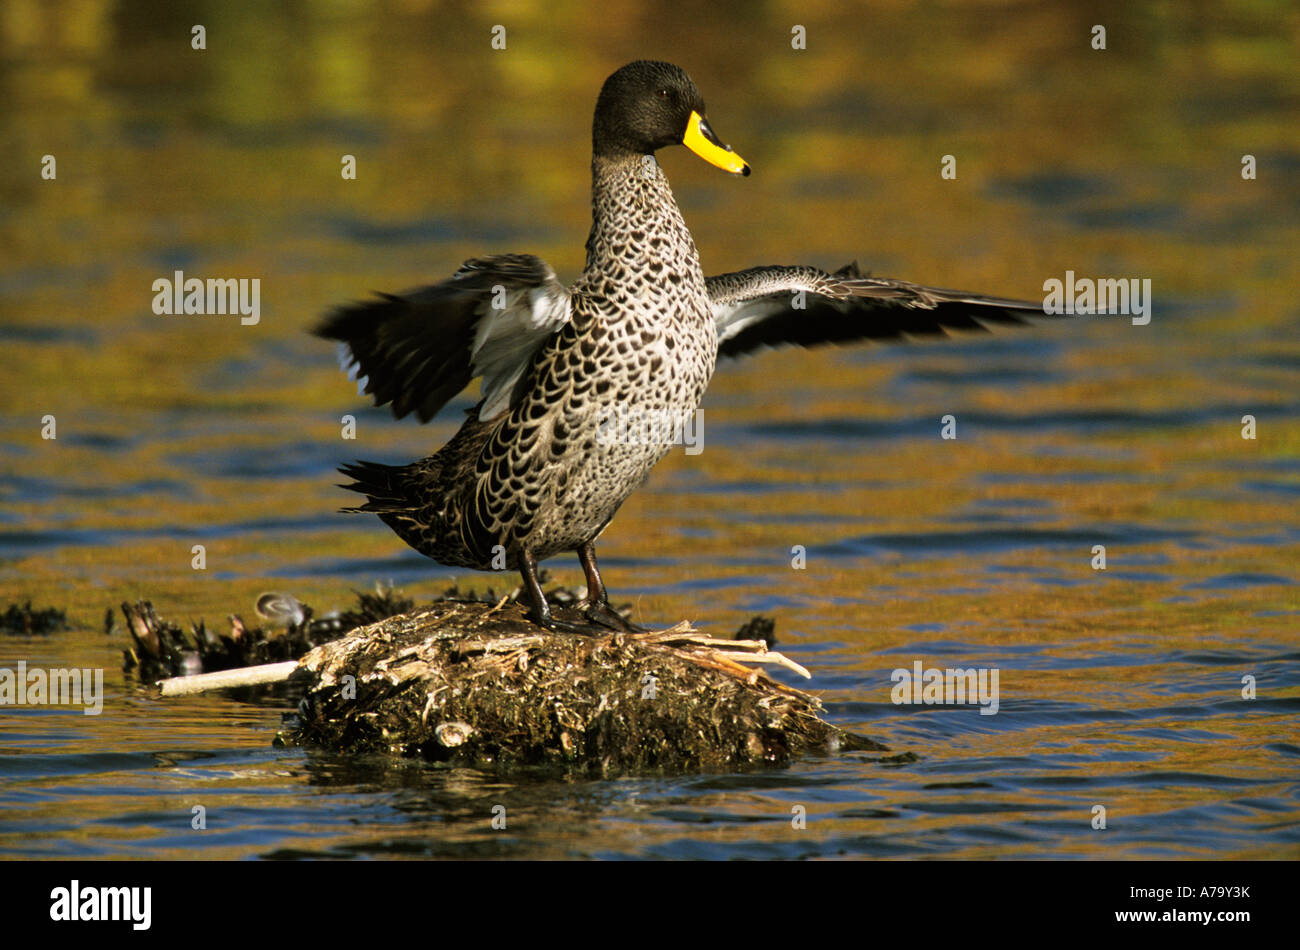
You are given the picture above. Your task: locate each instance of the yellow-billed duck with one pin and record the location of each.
(532, 472)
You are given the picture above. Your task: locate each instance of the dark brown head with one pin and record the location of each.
(646, 106)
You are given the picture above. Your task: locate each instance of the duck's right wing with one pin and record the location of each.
(418, 349)
(805, 306)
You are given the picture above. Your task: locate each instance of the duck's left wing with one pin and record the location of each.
(805, 306)
(418, 349)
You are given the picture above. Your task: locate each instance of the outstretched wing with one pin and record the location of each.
(418, 349)
(771, 306)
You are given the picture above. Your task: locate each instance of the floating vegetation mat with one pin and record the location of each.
(24, 619)
(473, 683)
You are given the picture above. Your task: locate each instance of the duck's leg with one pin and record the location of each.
(597, 608)
(540, 613)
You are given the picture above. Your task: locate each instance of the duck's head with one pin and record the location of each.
(646, 106)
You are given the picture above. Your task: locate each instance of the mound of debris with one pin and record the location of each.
(469, 679)
(464, 682)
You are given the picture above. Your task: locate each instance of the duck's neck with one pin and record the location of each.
(635, 221)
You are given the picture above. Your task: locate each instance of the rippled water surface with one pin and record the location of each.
(1121, 688)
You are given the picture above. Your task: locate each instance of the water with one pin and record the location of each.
(1120, 688)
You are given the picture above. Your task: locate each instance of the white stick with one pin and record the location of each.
(245, 676)
(737, 656)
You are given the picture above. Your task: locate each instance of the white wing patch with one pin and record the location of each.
(732, 318)
(352, 366)
(506, 339)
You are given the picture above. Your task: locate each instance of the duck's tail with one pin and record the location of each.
(386, 487)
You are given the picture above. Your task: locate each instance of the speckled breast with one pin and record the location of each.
(615, 389)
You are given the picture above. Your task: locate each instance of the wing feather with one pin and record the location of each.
(416, 350)
(805, 306)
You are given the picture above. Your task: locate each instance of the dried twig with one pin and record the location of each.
(224, 679)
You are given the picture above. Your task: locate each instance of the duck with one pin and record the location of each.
(542, 462)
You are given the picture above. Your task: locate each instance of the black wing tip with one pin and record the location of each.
(840, 323)
(347, 322)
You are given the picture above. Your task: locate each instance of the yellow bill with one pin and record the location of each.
(702, 140)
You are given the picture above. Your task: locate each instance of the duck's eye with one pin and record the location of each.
(663, 93)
